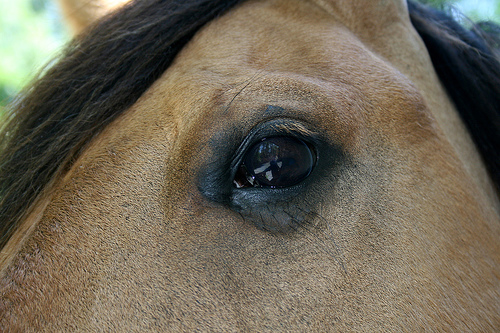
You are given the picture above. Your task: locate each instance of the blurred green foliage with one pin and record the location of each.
(474, 10)
(31, 33)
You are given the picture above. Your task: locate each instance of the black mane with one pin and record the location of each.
(103, 72)
(468, 65)
(100, 75)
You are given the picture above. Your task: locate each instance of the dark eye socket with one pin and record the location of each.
(276, 162)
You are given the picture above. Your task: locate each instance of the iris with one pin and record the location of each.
(276, 162)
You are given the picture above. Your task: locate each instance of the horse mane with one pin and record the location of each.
(99, 75)
(467, 62)
(104, 71)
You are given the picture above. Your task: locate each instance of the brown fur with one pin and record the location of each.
(101, 74)
(403, 238)
(79, 14)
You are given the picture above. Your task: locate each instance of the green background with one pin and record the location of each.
(31, 33)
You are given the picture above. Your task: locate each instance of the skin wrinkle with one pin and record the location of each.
(291, 96)
(226, 110)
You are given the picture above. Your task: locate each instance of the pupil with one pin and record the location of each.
(278, 162)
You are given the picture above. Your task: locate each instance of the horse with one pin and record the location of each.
(260, 165)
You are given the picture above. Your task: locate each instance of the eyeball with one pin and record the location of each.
(276, 162)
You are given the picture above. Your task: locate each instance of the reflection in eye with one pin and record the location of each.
(276, 162)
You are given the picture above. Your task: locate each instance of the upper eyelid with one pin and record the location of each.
(274, 127)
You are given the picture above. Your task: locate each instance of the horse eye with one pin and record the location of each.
(276, 162)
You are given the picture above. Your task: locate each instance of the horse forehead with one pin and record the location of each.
(319, 39)
(283, 52)
(311, 25)
(368, 15)
(383, 27)
(329, 41)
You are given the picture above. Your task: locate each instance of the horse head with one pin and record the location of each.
(297, 165)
